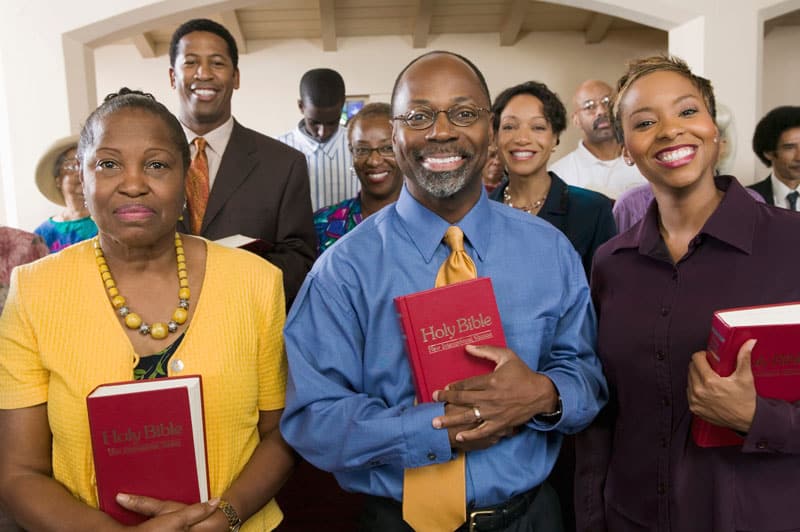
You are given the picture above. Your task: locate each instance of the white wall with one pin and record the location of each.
(35, 36)
(270, 73)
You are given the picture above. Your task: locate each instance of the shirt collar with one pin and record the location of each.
(426, 229)
(589, 157)
(216, 139)
(779, 189)
(733, 222)
(329, 147)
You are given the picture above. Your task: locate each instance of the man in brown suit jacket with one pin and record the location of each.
(258, 185)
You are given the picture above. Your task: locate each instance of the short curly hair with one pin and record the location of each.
(554, 110)
(203, 24)
(769, 130)
(639, 68)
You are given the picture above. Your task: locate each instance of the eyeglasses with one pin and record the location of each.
(424, 117)
(591, 105)
(70, 165)
(362, 152)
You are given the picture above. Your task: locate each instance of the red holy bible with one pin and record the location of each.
(775, 359)
(148, 438)
(439, 323)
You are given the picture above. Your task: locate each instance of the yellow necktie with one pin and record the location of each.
(197, 186)
(435, 496)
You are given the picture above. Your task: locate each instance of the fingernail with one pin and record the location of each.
(437, 424)
(459, 437)
(121, 497)
(213, 502)
(436, 395)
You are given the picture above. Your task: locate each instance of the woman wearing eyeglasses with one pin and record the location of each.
(527, 121)
(57, 179)
(370, 139)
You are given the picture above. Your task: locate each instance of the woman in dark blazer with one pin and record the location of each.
(528, 119)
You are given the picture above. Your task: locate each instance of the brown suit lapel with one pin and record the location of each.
(236, 166)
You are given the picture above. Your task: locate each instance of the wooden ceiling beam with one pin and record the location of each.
(512, 22)
(422, 23)
(597, 28)
(145, 45)
(231, 21)
(327, 20)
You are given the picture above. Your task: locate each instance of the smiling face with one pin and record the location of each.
(669, 132)
(443, 161)
(205, 79)
(525, 139)
(786, 157)
(379, 175)
(133, 178)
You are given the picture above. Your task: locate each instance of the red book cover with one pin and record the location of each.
(775, 359)
(439, 323)
(148, 438)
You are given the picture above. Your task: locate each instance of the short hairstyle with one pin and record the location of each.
(322, 87)
(470, 64)
(770, 127)
(639, 68)
(371, 110)
(133, 99)
(554, 109)
(203, 24)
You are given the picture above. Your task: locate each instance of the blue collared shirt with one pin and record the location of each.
(350, 396)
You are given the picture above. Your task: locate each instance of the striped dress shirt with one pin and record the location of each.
(329, 163)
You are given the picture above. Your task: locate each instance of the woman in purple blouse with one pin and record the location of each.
(703, 246)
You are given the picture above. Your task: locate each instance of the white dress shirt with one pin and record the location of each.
(582, 169)
(216, 142)
(779, 193)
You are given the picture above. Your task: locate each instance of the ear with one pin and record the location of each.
(575, 119)
(236, 79)
(172, 77)
(626, 156)
(770, 155)
(301, 106)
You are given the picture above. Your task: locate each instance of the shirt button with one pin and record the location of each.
(665, 402)
(664, 311)
(660, 355)
(761, 444)
(662, 489)
(674, 276)
(431, 456)
(176, 365)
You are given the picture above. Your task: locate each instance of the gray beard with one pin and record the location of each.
(442, 184)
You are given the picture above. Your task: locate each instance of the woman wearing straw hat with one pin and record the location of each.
(57, 179)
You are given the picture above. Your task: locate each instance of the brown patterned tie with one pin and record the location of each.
(435, 496)
(197, 186)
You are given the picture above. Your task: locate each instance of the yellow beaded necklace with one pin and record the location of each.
(132, 320)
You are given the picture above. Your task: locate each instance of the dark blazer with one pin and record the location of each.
(584, 216)
(261, 190)
(765, 189)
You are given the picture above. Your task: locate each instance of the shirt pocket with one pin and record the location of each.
(531, 338)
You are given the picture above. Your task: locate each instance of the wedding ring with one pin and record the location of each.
(477, 412)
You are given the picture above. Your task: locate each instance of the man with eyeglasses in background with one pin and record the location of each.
(597, 163)
(351, 405)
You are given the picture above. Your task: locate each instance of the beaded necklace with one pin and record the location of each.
(132, 320)
(530, 209)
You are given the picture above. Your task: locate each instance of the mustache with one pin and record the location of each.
(599, 119)
(442, 151)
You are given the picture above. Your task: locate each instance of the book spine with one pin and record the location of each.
(721, 355)
(409, 337)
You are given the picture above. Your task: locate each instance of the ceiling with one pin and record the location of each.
(328, 20)
(417, 19)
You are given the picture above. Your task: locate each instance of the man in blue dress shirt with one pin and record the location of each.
(350, 405)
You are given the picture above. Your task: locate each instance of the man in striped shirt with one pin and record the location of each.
(320, 138)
